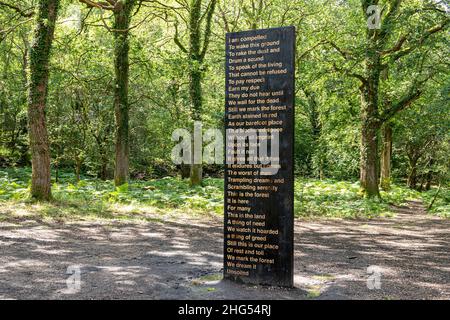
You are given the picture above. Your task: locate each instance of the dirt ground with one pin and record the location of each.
(182, 259)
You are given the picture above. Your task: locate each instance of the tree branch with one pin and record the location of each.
(109, 5)
(4, 33)
(177, 40)
(425, 36)
(413, 94)
(396, 47)
(345, 54)
(20, 11)
(389, 19)
(351, 74)
(307, 51)
(400, 105)
(207, 36)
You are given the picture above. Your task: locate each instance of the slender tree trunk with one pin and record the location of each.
(78, 163)
(420, 188)
(103, 172)
(412, 177)
(316, 132)
(121, 106)
(196, 174)
(386, 154)
(429, 177)
(198, 46)
(37, 98)
(195, 83)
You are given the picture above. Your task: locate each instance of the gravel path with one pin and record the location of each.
(183, 259)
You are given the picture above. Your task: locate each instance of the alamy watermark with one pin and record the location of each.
(374, 278)
(374, 17)
(73, 282)
(260, 147)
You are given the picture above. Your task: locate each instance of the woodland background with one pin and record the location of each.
(91, 91)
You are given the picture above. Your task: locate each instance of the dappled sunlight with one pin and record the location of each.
(21, 264)
(178, 259)
(171, 198)
(134, 250)
(408, 258)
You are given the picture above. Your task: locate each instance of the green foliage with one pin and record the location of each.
(331, 45)
(313, 198)
(441, 205)
(329, 198)
(167, 193)
(335, 199)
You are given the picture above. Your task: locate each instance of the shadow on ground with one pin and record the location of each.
(183, 260)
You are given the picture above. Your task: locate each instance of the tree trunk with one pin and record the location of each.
(78, 163)
(412, 177)
(198, 45)
(56, 172)
(369, 161)
(103, 172)
(196, 174)
(37, 98)
(369, 121)
(369, 147)
(121, 106)
(386, 154)
(316, 133)
(185, 170)
(429, 177)
(195, 83)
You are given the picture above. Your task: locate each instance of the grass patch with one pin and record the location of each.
(441, 205)
(324, 277)
(207, 278)
(152, 200)
(212, 277)
(342, 199)
(93, 198)
(313, 292)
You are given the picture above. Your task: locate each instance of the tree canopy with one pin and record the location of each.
(124, 74)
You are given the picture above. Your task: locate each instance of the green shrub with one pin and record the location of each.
(313, 198)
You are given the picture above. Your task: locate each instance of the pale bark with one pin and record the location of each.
(386, 154)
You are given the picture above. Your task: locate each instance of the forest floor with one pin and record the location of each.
(181, 258)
